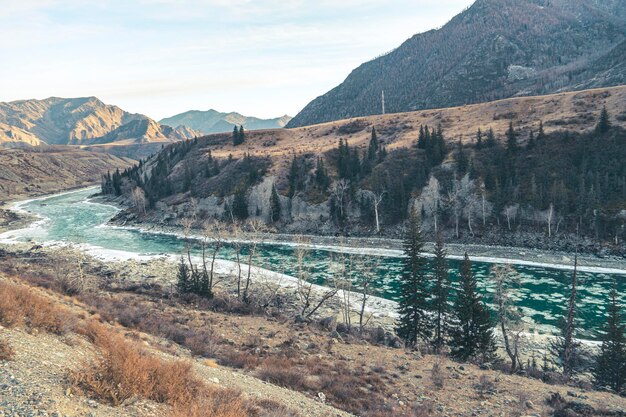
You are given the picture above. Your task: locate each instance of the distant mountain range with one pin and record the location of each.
(80, 121)
(212, 121)
(494, 49)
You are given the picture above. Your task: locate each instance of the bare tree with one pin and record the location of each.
(305, 289)
(549, 217)
(214, 234)
(236, 238)
(139, 200)
(339, 190)
(509, 317)
(376, 198)
(255, 230)
(367, 276)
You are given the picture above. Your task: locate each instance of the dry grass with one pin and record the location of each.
(6, 351)
(124, 370)
(20, 306)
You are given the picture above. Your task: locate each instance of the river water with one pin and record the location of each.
(542, 295)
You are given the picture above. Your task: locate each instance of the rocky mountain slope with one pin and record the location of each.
(79, 121)
(30, 172)
(212, 121)
(494, 49)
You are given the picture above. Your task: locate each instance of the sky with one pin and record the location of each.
(263, 58)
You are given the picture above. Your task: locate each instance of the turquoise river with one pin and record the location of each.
(542, 295)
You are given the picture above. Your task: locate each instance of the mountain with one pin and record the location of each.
(494, 49)
(212, 121)
(46, 169)
(79, 121)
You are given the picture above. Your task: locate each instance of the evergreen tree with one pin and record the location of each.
(372, 150)
(491, 138)
(235, 136)
(604, 123)
(511, 140)
(321, 176)
(610, 368)
(240, 204)
(242, 135)
(440, 293)
(274, 206)
(183, 279)
(462, 160)
(479, 139)
(472, 335)
(414, 323)
(421, 141)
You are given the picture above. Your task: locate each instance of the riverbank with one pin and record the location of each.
(393, 248)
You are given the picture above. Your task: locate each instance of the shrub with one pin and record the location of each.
(124, 370)
(281, 371)
(241, 360)
(437, 375)
(6, 352)
(20, 306)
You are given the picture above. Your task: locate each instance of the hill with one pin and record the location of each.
(212, 121)
(107, 343)
(493, 191)
(492, 50)
(79, 121)
(44, 170)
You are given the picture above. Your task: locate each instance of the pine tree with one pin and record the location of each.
(462, 160)
(604, 123)
(235, 136)
(183, 279)
(511, 140)
(414, 323)
(610, 368)
(240, 204)
(242, 135)
(479, 139)
(321, 176)
(372, 150)
(441, 292)
(274, 206)
(472, 335)
(491, 138)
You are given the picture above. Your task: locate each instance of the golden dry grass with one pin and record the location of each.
(21, 306)
(125, 370)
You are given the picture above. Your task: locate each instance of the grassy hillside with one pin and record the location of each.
(37, 171)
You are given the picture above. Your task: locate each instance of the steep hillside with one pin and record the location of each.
(212, 121)
(31, 172)
(494, 49)
(79, 121)
(509, 187)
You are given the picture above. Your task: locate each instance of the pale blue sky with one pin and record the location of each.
(161, 57)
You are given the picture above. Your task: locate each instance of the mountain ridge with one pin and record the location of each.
(494, 49)
(213, 121)
(78, 121)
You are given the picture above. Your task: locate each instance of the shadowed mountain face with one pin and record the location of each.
(212, 121)
(495, 49)
(79, 121)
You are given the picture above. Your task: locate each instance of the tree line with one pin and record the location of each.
(467, 328)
